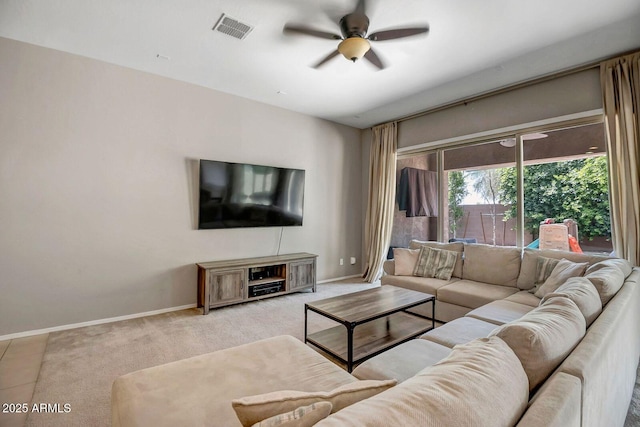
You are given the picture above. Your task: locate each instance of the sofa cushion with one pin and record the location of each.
(459, 331)
(472, 294)
(436, 263)
(524, 297)
(500, 312)
(199, 389)
(402, 362)
(455, 246)
(252, 409)
(427, 285)
(624, 265)
(563, 270)
(496, 265)
(305, 416)
(607, 281)
(481, 383)
(405, 261)
(543, 337)
(527, 276)
(581, 291)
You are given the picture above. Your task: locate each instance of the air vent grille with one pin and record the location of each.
(232, 27)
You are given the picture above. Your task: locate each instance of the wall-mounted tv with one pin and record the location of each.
(242, 195)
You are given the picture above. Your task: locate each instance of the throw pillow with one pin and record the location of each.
(253, 409)
(480, 384)
(544, 268)
(581, 291)
(305, 416)
(543, 337)
(453, 246)
(563, 270)
(437, 263)
(405, 261)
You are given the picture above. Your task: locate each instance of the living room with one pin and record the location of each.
(100, 168)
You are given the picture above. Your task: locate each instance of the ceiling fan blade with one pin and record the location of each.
(326, 58)
(310, 32)
(374, 59)
(396, 34)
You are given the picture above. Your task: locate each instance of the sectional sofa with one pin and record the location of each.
(505, 357)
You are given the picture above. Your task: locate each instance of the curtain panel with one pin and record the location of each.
(620, 78)
(382, 195)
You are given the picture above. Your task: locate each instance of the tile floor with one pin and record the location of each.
(20, 361)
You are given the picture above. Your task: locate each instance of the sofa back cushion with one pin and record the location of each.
(455, 246)
(529, 267)
(608, 280)
(480, 383)
(624, 266)
(581, 291)
(496, 265)
(543, 337)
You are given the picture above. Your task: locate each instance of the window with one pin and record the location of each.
(564, 174)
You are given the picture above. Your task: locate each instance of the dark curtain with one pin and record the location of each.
(417, 192)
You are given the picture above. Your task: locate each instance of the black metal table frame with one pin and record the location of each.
(352, 325)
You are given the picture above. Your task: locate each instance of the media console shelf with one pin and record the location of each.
(222, 283)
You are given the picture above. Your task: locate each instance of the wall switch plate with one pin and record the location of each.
(341, 261)
(353, 260)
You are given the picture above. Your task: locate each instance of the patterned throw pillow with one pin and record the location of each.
(544, 268)
(304, 416)
(437, 263)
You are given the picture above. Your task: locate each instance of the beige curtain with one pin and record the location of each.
(382, 195)
(620, 79)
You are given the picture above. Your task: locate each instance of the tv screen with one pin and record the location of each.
(242, 195)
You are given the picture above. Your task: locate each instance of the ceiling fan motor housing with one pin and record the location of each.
(354, 25)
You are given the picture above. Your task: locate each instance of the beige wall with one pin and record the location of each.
(98, 187)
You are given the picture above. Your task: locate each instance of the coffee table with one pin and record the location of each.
(381, 316)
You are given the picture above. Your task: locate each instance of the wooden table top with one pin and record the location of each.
(361, 306)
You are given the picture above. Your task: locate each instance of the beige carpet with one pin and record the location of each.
(80, 365)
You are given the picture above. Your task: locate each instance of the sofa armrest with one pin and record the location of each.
(389, 267)
(557, 403)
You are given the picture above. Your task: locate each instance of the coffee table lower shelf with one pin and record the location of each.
(371, 338)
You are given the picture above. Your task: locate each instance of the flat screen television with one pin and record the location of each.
(242, 195)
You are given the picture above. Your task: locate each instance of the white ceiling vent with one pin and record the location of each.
(232, 27)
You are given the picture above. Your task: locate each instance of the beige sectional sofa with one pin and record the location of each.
(506, 359)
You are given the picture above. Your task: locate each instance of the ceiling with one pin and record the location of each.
(473, 46)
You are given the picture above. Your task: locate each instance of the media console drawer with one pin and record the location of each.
(222, 283)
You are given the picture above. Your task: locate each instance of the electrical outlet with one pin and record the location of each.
(353, 260)
(341, 261)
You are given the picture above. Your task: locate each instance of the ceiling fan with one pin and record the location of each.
(355, 41)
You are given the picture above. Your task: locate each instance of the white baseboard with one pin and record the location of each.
(127, 317)
(335, 279)
(94, 322)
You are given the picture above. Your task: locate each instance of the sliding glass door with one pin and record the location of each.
(499, 191)
(476, 209)
(565, 182)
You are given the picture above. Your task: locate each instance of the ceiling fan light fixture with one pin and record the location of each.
(354, 48)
